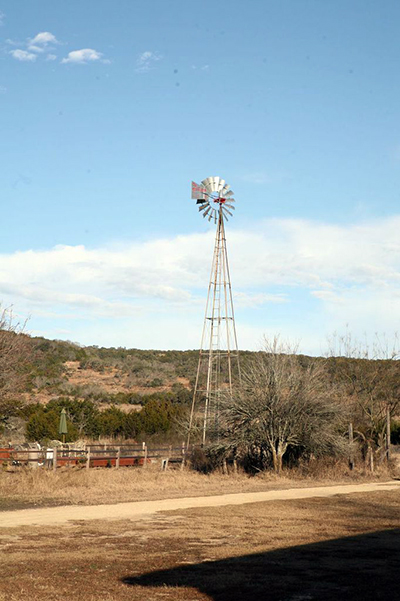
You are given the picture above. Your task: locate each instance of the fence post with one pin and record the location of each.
(88, 458)
(388, 453)
(183, 456)
(118, 457)
(54, 458)
(144, 455)
(351, 448)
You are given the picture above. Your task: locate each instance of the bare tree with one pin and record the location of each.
(369, 377)
(284, 402)
(15, 356)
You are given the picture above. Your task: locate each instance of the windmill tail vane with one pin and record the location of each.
(198, 192)
(218, 367)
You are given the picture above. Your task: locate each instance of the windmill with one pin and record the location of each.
(218, 365)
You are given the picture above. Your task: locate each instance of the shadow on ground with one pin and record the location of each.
(358, 567)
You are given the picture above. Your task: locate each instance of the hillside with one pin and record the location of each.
(125, 392)
(109, 375)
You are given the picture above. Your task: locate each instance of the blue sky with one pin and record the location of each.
(108, 110)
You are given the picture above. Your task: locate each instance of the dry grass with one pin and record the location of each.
(338, 548)
(97, 486)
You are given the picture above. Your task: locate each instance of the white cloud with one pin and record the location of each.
(44, 39)
(23, 55)
(41, 43)
(301, 278)
(2, 17)
(146, 60)
(83, 56)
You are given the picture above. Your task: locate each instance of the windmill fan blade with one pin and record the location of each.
(232, 208)
(204, 206)
(226, 211)
(212, 215)
(228, 194)
(207, 211)
(206, 184)
(215, 184)
(225, 190)
(209, 186)
(221, 185)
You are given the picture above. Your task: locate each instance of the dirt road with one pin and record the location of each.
(138, 510)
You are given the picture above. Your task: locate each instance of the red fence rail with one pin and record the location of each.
(94, 456)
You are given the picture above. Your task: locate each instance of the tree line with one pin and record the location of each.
(85, 420)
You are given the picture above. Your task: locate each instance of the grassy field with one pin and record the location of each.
(343, 548)
(27, 488)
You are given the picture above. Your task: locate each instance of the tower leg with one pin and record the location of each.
(219, 349)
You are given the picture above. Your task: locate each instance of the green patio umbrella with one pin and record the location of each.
(62, 428)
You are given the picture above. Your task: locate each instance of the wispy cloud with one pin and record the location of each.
(146, 61)
(2, 17)
(84, 57)
(23, 55)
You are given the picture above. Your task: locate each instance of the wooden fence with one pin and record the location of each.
(106, 455)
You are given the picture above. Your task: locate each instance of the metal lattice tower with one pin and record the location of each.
(218, 366)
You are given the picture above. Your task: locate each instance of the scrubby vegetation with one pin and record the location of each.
(290, 407)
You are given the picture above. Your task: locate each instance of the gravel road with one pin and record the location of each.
(140, 509)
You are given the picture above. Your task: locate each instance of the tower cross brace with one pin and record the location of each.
(218, 366)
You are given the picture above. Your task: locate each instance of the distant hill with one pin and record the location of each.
(109, 375)
(129, 376)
